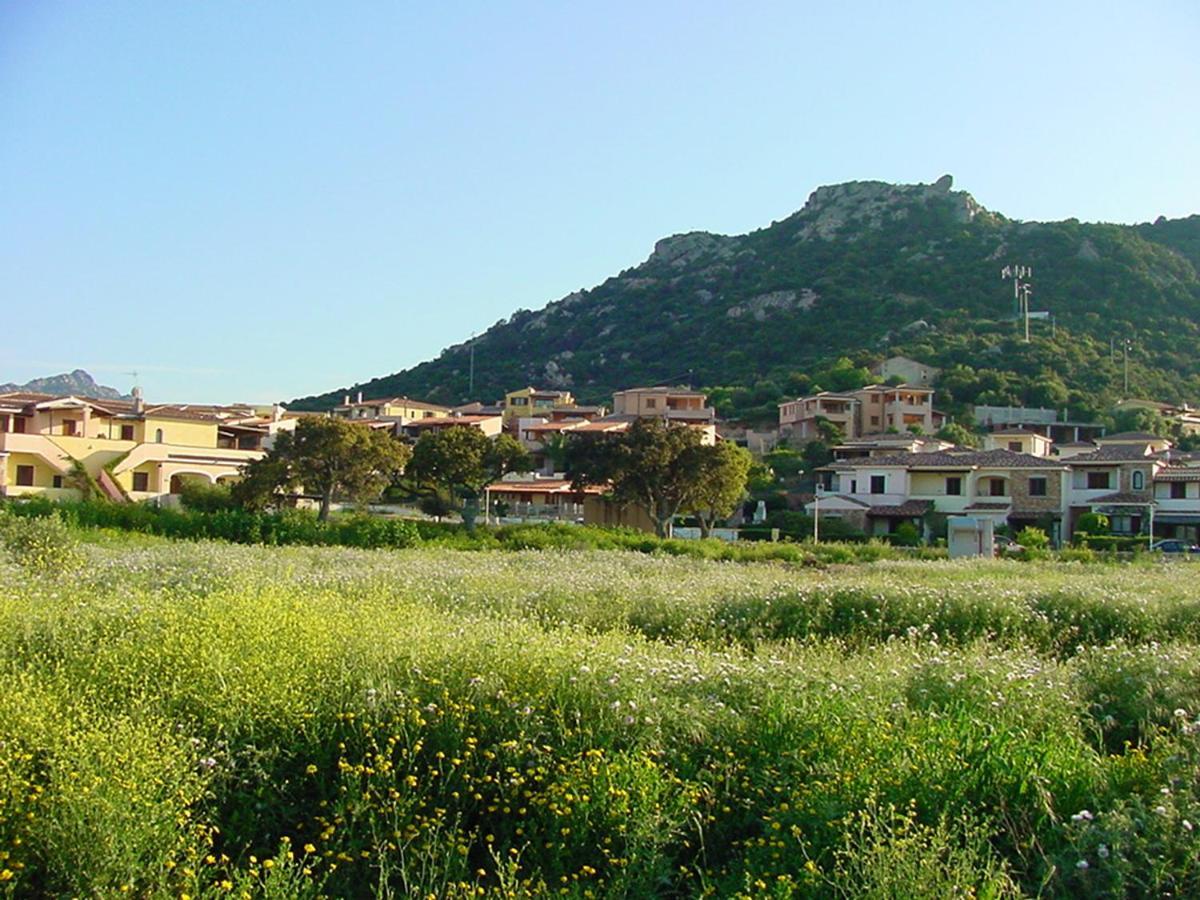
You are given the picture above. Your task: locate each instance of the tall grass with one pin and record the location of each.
(207, 719)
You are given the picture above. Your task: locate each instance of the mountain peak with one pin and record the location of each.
(871, 203)
(78, 382)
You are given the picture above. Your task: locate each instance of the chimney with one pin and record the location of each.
(359, 399)
(276, 413)
(139, 405)
(346, 400)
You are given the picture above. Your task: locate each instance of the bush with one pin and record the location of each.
(1091, 524)
(1033, 538)
(906, 535)
(43, 544)
(203, 497)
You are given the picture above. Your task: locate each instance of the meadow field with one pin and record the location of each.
(207, 720)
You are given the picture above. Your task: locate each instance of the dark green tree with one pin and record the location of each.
(653, 465)
(333, 458)
(461, 461)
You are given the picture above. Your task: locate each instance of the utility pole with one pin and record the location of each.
(1021, 291)
(471, 371)
(1127, 345)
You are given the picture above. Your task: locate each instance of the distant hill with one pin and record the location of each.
(864, 270)
(79, 383)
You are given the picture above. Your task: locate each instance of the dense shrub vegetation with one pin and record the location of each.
(211, 521)
(204, 719)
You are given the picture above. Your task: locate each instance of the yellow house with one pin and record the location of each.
(129, 449)
(403, 408)
(530, 402)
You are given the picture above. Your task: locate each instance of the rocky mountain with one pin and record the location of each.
(863, 270)
(79, 383)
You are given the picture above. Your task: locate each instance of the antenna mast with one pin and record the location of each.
(1021, 291)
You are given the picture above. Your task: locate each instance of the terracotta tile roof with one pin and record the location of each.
(541, 486)
(987, 507)
(1178, 473)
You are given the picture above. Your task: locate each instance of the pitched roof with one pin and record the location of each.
(1178, 473)
(1122, 498)
(907, 509)
(1114, 453)
(958, 459)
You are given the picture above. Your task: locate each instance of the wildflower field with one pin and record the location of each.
(212, 720)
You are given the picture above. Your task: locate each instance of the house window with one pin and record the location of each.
(25, 476)
(127, 432)
(3, 424)
(878, 484)
(1178, 490)
(158, 436)
(954, 486)
(1097, 481)
(57, 481)
(1014, 446)
(141, 481)
(19, 425)
(69, 427)
(1037, 486)
(651, 403)
(854, 486)
(996, 487)
(874, 420)
(1139, 479)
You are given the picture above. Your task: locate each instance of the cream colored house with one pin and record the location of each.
(1018, 440)
(529, 402)
(130, 449)
(402, 409)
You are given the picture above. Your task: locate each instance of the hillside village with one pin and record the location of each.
(881, 459)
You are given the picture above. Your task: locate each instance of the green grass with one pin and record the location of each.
(211, 719)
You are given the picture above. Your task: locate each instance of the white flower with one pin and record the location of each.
(1082, 864)
(1082, 816)
(1180, 713)
(1187, 826)
(1161, 810)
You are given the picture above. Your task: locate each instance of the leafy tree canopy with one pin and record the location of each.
(330, 457)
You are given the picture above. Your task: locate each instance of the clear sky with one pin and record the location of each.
(256, 201)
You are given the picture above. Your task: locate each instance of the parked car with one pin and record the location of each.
(1006, 546)
(1174, 545)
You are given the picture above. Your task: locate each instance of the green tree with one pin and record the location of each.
(958, 434)
(720, 485)
(461, 461)
(653, 465)
(327, 456)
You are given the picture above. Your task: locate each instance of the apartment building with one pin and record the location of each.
(130, 449)
(874, 409)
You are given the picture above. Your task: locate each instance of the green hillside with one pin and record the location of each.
(864, 270)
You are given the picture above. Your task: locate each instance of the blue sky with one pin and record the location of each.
(262, 201)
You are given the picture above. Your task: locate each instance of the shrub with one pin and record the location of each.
(43, 544)
(1033, 538)
(203, 497)
(906, 535)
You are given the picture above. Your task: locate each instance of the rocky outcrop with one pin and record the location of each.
(869, 204)
(79, 383)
